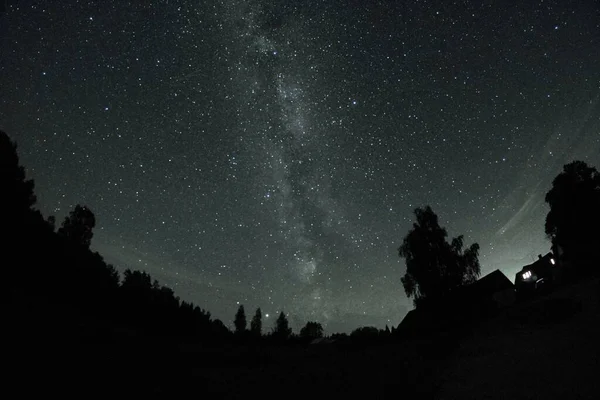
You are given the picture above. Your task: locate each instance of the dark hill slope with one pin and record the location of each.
(546, 349)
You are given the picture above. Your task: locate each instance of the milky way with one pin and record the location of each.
(271, 154)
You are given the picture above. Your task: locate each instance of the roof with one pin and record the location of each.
(493, 282)
(476, 297)
(410, 318)
(418, 321)
(539, 262)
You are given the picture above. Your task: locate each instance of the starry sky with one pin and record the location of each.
(270, 153)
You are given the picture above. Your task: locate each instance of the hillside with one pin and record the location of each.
(546, 349)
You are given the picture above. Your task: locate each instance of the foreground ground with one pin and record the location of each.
(549, 348)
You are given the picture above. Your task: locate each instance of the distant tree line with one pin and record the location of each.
(309, 333)
(46, 263)
(281, 332)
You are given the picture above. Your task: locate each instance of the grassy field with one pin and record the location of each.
(548, 348)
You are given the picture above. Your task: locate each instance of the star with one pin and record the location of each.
(271, 156)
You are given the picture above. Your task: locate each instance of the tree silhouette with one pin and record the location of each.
(100, 273)
(282, 328)
(136, 280)
(219, 328)
(240, 320)
(573, 222)
(434, 267)
(312, 330)
(256, 323)
(51, 221)
(83, 281)
(17, 197)
(77, 226)
(365, 333)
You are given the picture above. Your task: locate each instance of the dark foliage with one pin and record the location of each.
(256, 323)
(434, 267)
(240, 321)
(365, 333)
(17, 192)
(340, 337)
(312, 330)
(51, 220)
(218, 329)
(59, 289)
(282, 330)
(573, 222)
(77, 227)
(59, 268)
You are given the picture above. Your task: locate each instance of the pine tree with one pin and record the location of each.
(240, 320)
(282, 328)
(17, 197)
(256, 323)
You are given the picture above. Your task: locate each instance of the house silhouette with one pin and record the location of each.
(461, 308)
(539, 275)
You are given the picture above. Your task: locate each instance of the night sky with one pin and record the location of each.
(270, 153)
